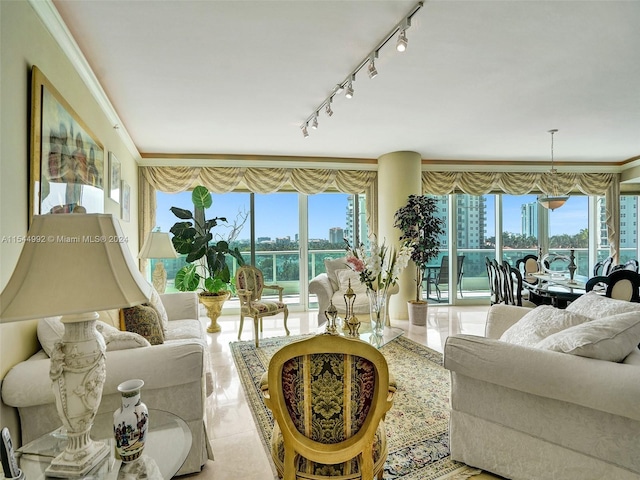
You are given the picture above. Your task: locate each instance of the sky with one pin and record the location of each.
(277, 214)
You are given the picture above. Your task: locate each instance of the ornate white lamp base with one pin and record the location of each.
(80, 456)
(159, 278)
(78, 374)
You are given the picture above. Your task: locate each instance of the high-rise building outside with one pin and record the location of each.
(471, 220)
(336, 235)
(628, 222)
(529, 217)
(363, 230)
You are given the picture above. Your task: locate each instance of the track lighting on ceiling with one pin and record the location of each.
(373, 73)
(369, 61)
(554, 200)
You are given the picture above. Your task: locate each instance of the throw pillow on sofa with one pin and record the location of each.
(50, 331)
(612, 338)
(143, 320)
(595, 305)
(157, 305)
(331, 266)
(119, 340)
(539, 323)
(346, 276)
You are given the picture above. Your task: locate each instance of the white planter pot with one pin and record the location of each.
(417, 313)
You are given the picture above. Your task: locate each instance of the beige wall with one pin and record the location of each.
(26, 42)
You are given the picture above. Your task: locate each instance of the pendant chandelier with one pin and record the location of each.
(551, 202)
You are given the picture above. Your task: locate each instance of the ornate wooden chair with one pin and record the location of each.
(249, 285)
(329, 395)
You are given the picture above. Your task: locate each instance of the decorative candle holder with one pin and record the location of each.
(572, 265)
(331, 315)
(352, 322)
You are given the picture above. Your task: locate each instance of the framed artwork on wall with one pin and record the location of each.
(67, 160)
(114, 178)
(125, 203)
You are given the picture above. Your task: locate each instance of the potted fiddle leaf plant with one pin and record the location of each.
(207, 267)
(421, 229)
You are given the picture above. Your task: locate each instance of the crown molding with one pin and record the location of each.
(46, 10)
(256, 161)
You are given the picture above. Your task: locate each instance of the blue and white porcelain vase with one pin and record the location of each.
(130, 422)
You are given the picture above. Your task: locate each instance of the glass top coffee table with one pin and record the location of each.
(366, 335)
(168, 444)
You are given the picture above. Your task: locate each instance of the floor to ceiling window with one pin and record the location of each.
(274, 232)
(569, 229)
(291, 226)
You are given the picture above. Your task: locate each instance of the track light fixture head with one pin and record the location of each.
(349, 91)
(373, 73)
(402, 42)
(328, 107)
(314, 123)
(339, 88)
(305, 132)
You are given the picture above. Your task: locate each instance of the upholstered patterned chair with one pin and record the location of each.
(249, 286)
(328, 395)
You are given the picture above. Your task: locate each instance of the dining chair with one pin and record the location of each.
(249, 286)
(528, 265)
(620, 284)
(494, 283)
(328, 395)
(603, 267)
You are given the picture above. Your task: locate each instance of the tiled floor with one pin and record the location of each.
(238, 451)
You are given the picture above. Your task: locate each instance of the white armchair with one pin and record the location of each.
(333, 284)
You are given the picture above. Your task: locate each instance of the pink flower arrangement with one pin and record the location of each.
(381, 268)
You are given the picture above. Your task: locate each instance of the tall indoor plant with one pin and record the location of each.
(206, 267)
(421, 228)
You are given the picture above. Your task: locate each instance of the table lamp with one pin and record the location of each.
(74, 265)
(158, 245)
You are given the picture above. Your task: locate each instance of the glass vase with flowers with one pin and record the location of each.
(378, 270)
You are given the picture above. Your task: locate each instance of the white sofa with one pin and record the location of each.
(176, 376)
(525, 412)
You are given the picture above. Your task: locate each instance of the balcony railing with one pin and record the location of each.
(282, 267)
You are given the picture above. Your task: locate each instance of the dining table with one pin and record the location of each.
(556, 289)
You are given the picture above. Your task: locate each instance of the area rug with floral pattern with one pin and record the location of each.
(417, 424)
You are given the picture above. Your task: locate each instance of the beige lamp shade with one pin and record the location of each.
(72, 263)
(158, 245)
(553, 202)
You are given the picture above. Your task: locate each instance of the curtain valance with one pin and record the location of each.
(515, 183)
(258, 180)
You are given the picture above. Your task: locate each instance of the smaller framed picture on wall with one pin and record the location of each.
(114, 177)
(125, 203)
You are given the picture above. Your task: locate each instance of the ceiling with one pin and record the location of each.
(480, 80)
